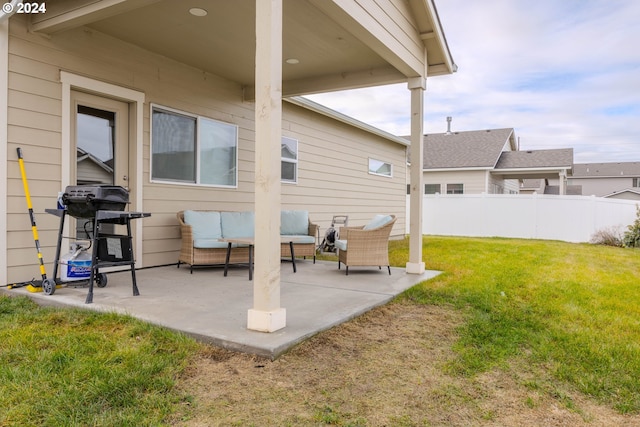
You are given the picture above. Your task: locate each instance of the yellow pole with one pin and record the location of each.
(48, 285)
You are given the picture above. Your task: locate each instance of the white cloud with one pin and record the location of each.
(562, 73)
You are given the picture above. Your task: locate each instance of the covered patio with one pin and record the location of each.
(212, 308)
(233, 63)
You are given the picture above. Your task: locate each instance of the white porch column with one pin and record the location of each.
(563, 183)
(417, 85)
(266, 314)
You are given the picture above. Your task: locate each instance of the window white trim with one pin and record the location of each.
(375, 166)
(292, 161)
(198, 120)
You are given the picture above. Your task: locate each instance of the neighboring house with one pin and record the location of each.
(547, 186)
(619, 180)
(630, 194)
(486, 161)
(174, 98)
(91, 170)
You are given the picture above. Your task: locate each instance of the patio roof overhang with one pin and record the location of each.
(334, 45)
(297, 47)
(532, 173)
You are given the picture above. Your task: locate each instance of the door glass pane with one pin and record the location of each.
(95, 146)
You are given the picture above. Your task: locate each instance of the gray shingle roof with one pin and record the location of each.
(613, 169)
(557, 158)
(470, 149)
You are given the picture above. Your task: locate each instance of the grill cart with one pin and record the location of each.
(101, 205)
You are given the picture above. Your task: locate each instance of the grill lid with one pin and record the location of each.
(82, 201)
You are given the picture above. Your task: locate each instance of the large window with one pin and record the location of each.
(193, 149)
(378, 167)
(432, 189)
(455, 189)
(289, 159)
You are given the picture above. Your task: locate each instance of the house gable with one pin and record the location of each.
(465, 150)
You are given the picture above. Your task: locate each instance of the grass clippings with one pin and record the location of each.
(385, 368)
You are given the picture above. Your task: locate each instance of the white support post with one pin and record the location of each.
(266, 314)
(417, 85)
(563, 182)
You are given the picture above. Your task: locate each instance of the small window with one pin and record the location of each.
(192, 149)
(455, 189)
(432, 189)
(378, 167)
(289, 160)
(636, 182)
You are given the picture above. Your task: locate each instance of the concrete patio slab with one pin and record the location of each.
(213, 308)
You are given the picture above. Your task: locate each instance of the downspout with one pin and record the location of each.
(8, 9)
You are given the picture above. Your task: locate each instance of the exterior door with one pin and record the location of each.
(100, 149)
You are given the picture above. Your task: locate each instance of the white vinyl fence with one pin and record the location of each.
(567, 218)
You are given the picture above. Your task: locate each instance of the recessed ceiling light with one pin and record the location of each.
(197, 11)
(292, 61)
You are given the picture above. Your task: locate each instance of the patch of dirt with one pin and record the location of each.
(385, 368)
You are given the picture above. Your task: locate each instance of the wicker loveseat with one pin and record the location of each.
(201, 231)
(366, 245)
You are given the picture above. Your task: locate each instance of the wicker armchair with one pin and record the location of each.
(365, 247)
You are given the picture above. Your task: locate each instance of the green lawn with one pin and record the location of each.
(64, 367)
(571, 311)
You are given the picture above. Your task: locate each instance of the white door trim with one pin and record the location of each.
(136, 100)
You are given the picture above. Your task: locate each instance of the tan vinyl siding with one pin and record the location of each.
(509, 186)
(333, 168)
(512, 186)
(333, 171)
(473, 181)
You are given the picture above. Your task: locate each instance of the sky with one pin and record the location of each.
(561, 73)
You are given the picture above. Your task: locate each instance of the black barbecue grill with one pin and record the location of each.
(83, 201)
(101, 205)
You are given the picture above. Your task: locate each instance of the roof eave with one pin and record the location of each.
(454, 169)
(449, 66)
(328, 112)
